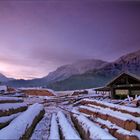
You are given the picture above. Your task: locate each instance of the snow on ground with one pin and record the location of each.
(17, 128)
(63, 93)
(33, 99)
(45, 97)
(69, 92)
(42, 129)
(28, 88)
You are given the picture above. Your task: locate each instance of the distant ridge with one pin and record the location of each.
(79, 67)
(3, 78)
(99, 77)
(85, 74)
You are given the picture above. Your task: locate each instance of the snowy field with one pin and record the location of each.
(91, 116)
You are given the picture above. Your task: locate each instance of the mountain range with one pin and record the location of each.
(82, 74)
(3, 78)
(79, 67)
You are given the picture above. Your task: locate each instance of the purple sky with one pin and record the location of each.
(37, 37)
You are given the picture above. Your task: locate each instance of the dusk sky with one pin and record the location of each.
(38, 36)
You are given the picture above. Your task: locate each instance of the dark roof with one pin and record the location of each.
(102, 89)
(126, 73)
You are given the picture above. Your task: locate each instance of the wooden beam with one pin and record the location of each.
(127, 85)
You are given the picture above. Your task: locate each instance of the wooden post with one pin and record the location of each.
(112, 93)
(129, 92)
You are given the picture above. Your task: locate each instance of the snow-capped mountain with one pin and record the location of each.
(133, 57)
(130, 62)
(85, 73)
(99, 77)
(79, 67)
(127, 63)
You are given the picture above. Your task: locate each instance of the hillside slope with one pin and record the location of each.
(79, 67)
(84, 74)
(3, 78)
(95, 78)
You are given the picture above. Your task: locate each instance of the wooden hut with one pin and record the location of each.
(124, 84)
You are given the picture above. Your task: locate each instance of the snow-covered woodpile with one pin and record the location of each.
(38, 92)
(120, 121)
(77, 124)
(11, 108)
(23, 125)
(5, 120)
(54, 130)
(17, 120)
(89, 130)
(67, 131)
(135, 112)
(58, 118)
